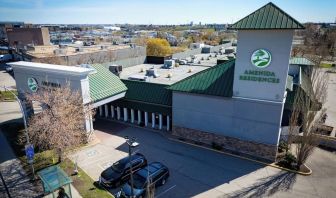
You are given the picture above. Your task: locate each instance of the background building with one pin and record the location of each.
(20, 37)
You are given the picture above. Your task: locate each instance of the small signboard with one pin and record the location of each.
(29, 148)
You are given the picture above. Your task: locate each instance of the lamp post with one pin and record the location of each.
(131, 144)
(24, 122)
(22, 111)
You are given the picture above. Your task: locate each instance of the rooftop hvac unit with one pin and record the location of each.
(168, 64)
(138, 77)
(152, 72)
(115, 69)
(78, 49)
(60, 51)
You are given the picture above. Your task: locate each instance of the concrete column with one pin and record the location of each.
(132, 115)
(139, 116)
(153, 120)
(168, 123)
(160, 121)
(91, 122)
(125, 114)
(118, 113)
(146, 118)
(106, 111)
(112, 111)
(100, 111)
(88, 124)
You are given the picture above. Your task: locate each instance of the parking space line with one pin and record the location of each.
(100, 167)
(165, 191)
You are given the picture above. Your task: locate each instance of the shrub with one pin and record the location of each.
(289, 161)
(283, 146)
(216, 146)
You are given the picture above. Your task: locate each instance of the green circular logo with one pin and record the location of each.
(261, 58)
(32, 84)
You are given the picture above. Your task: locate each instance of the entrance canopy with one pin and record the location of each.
(105, 87)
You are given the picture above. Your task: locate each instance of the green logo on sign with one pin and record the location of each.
(32, 84)
(261, 58)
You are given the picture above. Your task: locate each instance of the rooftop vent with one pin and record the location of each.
(115, 69)
(152, 72)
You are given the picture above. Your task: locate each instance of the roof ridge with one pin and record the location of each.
(294, 25)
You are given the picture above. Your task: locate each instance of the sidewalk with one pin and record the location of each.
(17, 181)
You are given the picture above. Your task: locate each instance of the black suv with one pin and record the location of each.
(119, 172)
(156, 173)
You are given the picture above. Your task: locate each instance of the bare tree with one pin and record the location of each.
(60, 124)
(308, 112)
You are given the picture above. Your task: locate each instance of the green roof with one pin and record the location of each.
(147, 92)
(269, 16)
(144, 96)
(104, 84)
(300, 61)
(217, 81)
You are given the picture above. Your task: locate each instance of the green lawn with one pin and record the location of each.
(326, 65)
(82, 182)
(7, 96)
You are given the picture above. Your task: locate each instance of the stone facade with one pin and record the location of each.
(255, 150)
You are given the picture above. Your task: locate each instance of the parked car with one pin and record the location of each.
(5, 57)
(156, 173)
(119, 172)
(8, 68)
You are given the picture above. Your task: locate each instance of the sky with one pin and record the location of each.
(156, 11)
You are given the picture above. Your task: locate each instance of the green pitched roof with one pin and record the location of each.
(300, 61)
(217, 81)
(147, 92)
(144, 96)
(269, 16)
(104, 84)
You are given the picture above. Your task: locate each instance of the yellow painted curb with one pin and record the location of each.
(246, 158)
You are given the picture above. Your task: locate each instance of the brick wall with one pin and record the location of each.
(255, 150)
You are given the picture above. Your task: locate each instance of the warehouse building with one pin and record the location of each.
(238, 104)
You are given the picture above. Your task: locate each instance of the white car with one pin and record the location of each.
(8, 68)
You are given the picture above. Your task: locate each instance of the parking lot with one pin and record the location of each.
(192, 170)
(197, 172)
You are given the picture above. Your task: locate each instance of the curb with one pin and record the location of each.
(203, 147)
(246, 158)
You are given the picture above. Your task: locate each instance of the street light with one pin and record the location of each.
(22, 111)
(131, 144)
(24, 122)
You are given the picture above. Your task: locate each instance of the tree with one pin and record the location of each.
(60, 124)
(308, 112)
(158, 47)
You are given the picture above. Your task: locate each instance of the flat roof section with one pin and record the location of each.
(74, 70)
(177, 73)
(204, 61)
